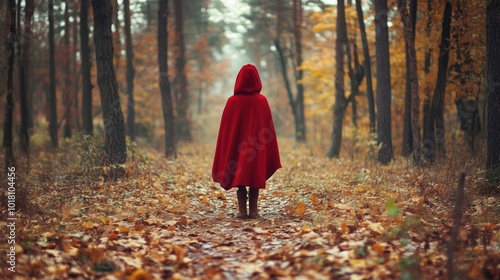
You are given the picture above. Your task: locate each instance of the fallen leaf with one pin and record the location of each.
(180, 253)
(140, 274)
(342, 206)
(301, 208)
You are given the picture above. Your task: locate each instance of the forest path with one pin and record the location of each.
(320, 219)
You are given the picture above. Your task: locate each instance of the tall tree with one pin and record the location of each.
(85, 69)
(493, 64)
(7, 129)
(130, 71)
(296, 102)
(24, 76)
(117, 44)
(183, 123)
(68, 83)
(434, 127)
(297, 15)
(52, 76)
(383, 83)
(412, 77)
(427, 67)
(462, 72)
(367, 66)
(340, 100)
(75, 69)
(407, 120)
(110, 101)
(356, 75)
(166, 97)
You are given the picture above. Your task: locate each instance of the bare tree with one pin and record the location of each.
(367, 66)
(297, 14)
(340, 100)
(85, 69)
(110, 101)
(407, 120)
(10, 160)
(493, 60)
(409, 31)
(383, 83)
(183, 124)
(24, 76)
(130, 72)
(52, 76)
(68, 83)
(166, 97)
(434, 127)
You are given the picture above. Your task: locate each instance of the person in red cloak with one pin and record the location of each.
(247, 148)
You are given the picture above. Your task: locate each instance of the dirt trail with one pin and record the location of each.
(320, 219)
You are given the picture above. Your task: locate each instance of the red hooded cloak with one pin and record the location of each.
(247, 149)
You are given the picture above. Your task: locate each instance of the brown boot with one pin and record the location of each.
(253, 201)
(241, 193)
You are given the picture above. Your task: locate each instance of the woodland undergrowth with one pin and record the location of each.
(347, 218)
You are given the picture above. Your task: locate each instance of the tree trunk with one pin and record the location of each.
(68, 86)
(407, 120)
(300, 130)
(466, 101)
(75, 70)
(130, 72)
(434, 128)
(24, 73)
(282, 61)
(85, 69)
(116, 34)
(427, 67)
(367, 67)
(10, 160)
(340, 100)
(284, 74)
(493, 64)
(166, 98)
(52, 75)
(356, 76)
(409, 32)
(183, 124)
(383, 83)
(110, 101)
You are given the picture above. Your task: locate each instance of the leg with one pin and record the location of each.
(254, 199)
(241, 193)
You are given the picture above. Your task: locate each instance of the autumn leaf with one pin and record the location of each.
(300, 208)
(140, 274)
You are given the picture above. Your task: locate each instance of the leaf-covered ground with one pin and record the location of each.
(320, 219)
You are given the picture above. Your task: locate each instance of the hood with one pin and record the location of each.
(248, 80)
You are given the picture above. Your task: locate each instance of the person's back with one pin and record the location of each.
(247, 149)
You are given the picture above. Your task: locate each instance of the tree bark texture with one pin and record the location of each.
(24, 76)
(110, 101)
(409, 32)
(85, 69)
(367, 67)
(300, 129)
(10, 160)
(493, 64)
(383, 83)
(52, 77)
(407, 120)
(130, 72)
(340, 100)
(183, 122)
(166, 97)
(434, 128)
(68, 83)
